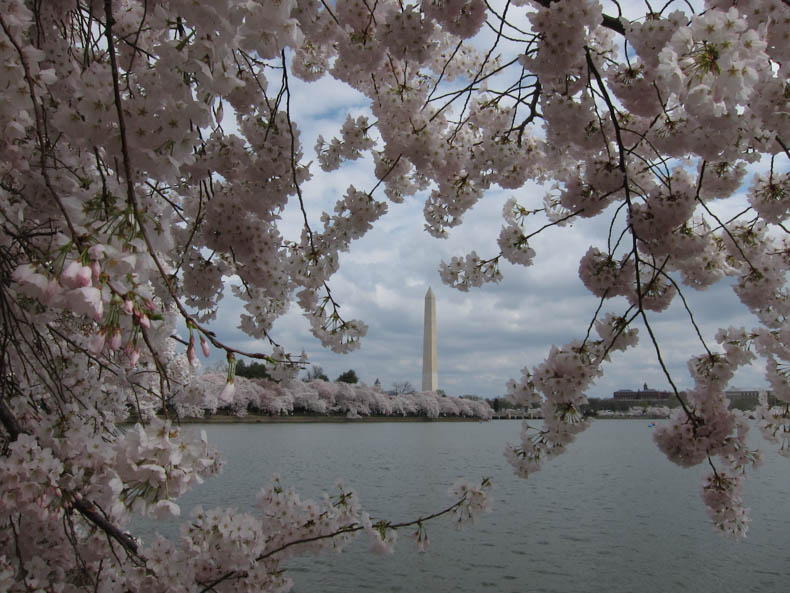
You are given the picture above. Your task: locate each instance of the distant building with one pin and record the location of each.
(644, 394)
(749, 396)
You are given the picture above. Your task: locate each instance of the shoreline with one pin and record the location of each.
(623, 417)
(302, 419)
(299, 419)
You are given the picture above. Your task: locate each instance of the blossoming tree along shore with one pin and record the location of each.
(124, 202)
(318, 397)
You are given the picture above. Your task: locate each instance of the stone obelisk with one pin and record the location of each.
(430, 378)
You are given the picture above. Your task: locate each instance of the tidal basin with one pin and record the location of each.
(611, 515)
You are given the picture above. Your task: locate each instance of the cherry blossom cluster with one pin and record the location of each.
(650, 136)
(638, 412)
(472, 271)
(156, 466)
(705, 428)
(558, 386)
(476, 500)
(603, 276)
(775, 424)
(354, 141)
(773, 416)
(317, 397)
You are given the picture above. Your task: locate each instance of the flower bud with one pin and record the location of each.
(96, 344)
(115, 339)
(191, 350)
(227, 393)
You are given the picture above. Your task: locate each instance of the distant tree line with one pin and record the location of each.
(257, 370)
(348, 377)
(596, 404)
(500, 403)
(618, 405)
(252, 370)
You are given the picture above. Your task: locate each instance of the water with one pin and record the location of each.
(611, 515)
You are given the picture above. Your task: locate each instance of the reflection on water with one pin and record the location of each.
(611, 515)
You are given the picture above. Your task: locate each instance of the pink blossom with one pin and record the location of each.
(134, 356)
(32, 283)
(115, 339)
(14, 131)
(165, 509)
(75, 275)
(85, 301)
(227, 392)
(191, 350)
(96, 343)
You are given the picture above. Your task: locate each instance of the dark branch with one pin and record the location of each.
(87, 510)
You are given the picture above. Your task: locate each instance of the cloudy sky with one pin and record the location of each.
(486, 336)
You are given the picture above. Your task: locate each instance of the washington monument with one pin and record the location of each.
(430, 379)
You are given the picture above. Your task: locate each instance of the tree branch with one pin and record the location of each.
(85, 508)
